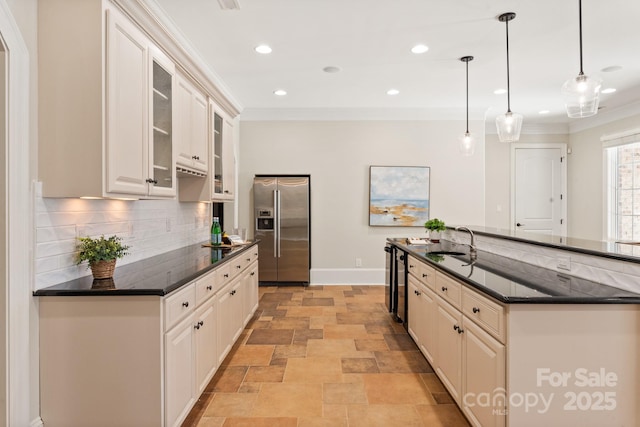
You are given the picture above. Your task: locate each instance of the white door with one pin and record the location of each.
(539, 191)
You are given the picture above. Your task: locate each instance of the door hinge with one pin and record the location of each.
(561, 221)
(561, 159)
(561, 197)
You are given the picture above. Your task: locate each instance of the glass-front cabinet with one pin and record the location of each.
(161, 147)
(217, 155)
(223, 156)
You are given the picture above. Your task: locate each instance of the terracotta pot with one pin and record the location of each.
(103, 269)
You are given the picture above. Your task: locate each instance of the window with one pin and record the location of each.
(623, 172)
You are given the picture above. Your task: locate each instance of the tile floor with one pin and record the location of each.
(324, 356)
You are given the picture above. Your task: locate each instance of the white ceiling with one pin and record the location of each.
(370, 40)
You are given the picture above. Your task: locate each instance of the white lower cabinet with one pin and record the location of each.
(449, 345)
(206, 342)
(145, 359)
(250, 281)
(462, 335)
(483, 361)
(422, 312)
(179, 372)
(214, 310)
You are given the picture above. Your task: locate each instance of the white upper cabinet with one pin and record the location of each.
(224, 158)
(191, 127)
(98, 108)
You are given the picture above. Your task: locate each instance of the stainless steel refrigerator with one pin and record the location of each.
(282, 224)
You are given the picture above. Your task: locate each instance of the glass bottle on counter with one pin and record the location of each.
(216, 232)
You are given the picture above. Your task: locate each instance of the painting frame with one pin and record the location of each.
(399, 196)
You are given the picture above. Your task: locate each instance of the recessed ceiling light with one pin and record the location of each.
(611, 69)
(609, 90)
(280, 92)
(264, 49)
(543, 112)
(500, 91)
(393, 92)
(419, 48)
(332, 69)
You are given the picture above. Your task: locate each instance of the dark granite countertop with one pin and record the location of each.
(157, 275)
(515, 282)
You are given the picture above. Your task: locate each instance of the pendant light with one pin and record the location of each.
(509, 123)
(582, 93)
(467, 141)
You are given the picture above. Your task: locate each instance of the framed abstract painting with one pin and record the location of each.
(398, 196)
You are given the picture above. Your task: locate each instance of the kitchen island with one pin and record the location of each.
(518, 344)
(139, 350)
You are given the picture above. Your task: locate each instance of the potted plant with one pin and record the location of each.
(101, 254)
(434, 227)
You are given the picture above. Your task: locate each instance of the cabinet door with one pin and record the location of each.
(127, 107)
(191, 118)
(161, 148)
(199, 129)
(415, 308)
(429, 307)
(184, 95)
(250, 283)
(229, 159)
(218, 161)
(179, 372)
(449, 344)
(206, 344)
(484, 370)
(229, 317)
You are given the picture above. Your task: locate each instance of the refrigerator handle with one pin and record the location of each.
(275, 225)
(278, 220)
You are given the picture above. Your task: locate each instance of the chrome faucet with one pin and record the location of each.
(473, 253)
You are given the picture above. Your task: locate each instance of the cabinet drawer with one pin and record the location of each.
(423, 272)
(487, 314)
(236, 265)
(178, 305)
(206, 287)
(250, 255)
(414, 267)
(449, 289)
(223, 275)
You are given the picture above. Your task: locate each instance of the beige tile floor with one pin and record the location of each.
(324, 356)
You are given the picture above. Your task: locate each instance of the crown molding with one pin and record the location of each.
(604, 117)
(357, 114)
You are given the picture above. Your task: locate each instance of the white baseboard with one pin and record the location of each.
(36, 423)
(347, 276)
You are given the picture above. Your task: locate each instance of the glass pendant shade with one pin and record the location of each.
(509, 125)
(467, 144)
(582, 96)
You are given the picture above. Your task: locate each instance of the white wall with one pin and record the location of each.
(337, 155)
(585, 176)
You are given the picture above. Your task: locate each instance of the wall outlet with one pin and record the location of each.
(168, 225)
(358, 262)
(130, 229)
(564, 263)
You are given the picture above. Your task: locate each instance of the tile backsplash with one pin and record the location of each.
(149, 227)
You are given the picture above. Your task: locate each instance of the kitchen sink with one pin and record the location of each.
(445, 253)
